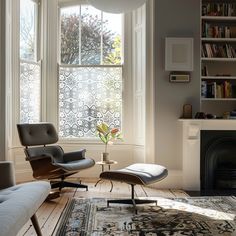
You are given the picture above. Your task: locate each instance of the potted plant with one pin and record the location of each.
(108, 136)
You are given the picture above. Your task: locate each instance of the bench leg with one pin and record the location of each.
(35, 223)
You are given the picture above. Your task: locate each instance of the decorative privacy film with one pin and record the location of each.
(87, 97)
(29, 92)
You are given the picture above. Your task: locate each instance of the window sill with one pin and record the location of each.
(88, 141)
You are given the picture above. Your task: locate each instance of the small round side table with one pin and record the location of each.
(108, 164)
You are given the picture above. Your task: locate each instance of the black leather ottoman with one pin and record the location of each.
(142, 174)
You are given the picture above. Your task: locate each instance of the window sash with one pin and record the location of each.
(30, 93)
(33, 76)
(87, 136)
(81, 104)
(77, 65)
(65, 4)
(37, 32)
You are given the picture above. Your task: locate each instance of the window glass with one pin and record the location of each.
(28, 30)
(70, 35)
(90, 77)
(90, 37)
(29, 92)
(30, 69)
(91, 32)
(89, 96)
(112, 39)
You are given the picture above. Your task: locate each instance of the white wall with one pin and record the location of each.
(174, 18)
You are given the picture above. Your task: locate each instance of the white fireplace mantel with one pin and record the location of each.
(191, 147)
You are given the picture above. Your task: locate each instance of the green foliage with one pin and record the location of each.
(115, 56)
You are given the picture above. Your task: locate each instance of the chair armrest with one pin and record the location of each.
(36, 158)
(7, 177)
(74, 156)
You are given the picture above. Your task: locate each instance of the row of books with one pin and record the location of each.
(216, 31)
(218, 50)
(219, 9)
(223, 89)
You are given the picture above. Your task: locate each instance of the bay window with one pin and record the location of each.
(86, 88)
(75, 66)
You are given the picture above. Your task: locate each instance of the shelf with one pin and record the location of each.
(218, 99)
(206, 120)
(219, 18)
(218, 39)
(219, 77)
(218, 59)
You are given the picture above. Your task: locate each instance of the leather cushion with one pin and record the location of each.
(76, 165)
(55, 151)
(139, 173)
(37, 134)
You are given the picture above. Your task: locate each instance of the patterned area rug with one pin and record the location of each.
(211, 216)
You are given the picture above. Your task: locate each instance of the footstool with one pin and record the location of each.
(142, 174)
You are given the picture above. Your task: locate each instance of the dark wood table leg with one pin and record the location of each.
(35, 223)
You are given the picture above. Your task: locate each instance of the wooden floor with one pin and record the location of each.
(50, 212)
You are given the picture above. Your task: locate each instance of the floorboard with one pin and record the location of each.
(50, 212)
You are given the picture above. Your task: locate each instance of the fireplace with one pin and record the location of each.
(218, 162)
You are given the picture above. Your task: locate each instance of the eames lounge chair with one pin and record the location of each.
(50, 162)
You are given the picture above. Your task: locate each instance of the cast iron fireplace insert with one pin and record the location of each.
(218, 162)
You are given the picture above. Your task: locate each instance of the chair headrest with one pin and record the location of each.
(37, 134)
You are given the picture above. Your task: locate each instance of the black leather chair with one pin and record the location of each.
(50, 162)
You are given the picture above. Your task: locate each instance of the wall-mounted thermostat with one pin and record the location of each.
(180, 78)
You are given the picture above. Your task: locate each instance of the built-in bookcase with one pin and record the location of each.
(218, 56)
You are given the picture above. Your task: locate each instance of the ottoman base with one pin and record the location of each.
(131, 201)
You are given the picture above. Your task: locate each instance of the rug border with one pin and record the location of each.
(60, 230)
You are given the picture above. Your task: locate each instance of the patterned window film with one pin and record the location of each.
(89, 96)
(30, 92)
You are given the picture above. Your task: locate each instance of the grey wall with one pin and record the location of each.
(2, 79)
(174, 18)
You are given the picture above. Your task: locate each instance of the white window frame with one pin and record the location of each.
(126, 83)
(37, 59)
(13, 69)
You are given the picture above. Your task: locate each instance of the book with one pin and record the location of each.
(204, 89)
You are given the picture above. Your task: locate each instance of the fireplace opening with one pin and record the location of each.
(218, 162)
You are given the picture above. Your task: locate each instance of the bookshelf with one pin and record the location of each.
(218, 56)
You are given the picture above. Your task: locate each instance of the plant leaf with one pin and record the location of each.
(102, 137)
(105, 127)
(99, 129)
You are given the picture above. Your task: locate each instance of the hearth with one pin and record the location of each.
(218, 162)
